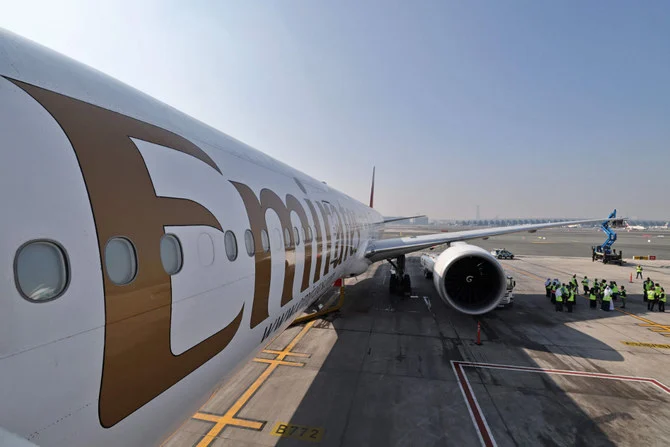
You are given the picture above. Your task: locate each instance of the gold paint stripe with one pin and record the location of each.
(292, 354)
(279, 362)
(207, 417)
(531, 275)
(647, 345)
(228, 418)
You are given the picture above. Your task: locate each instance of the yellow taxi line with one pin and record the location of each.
(228, 418)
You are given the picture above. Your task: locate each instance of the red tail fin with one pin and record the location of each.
(372, 190)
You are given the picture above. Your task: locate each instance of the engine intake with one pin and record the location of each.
(469, 279)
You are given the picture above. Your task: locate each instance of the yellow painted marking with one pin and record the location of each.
(648, 345)
(279, 362)
(531, 275)
(293, 354)
(228, 418)
(302, 432)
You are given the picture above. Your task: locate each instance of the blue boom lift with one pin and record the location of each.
(604, 252)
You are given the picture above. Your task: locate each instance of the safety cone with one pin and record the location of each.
(631, 278)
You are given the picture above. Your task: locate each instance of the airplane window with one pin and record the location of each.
(249, 242)
(205, 249)
(265, 241)
(171, 257)
(41, 271)
(231, 245)
(287, 238)
(296, 235)
(120, 261)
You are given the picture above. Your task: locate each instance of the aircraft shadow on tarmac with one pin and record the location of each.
(387, 378)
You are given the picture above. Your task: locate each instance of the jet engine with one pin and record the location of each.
(467, 277)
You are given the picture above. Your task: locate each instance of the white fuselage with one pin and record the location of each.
(86, 159)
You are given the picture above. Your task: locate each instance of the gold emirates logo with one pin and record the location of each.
(138, 363)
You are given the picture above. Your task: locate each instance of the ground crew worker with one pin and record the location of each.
(657, 296)
(554, 286)
(650, 297)
(547, 287)
(571, 298)
(638, 269)
(585, 284)
(593, 301)
(559, 299)
(615, 291)
(573, 281)
(622, 294)
(661, 300)
(645, 288)
(607, 298)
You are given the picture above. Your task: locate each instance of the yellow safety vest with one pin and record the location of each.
(650, 294)
(639, 269)
(592, 296)
(662, 297)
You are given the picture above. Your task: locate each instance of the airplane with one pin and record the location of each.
(634, 227)
(146, 257)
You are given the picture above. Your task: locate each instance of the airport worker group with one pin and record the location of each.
(600, 292)
(653, 293)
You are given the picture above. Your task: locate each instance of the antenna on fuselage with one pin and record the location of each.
(372, 189)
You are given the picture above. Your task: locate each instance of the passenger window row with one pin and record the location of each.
(42, 269)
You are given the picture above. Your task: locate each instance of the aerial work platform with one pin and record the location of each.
(605, 252)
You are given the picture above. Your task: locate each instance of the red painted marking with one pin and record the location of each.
(567, 373)
(482, 427)
(478, 418)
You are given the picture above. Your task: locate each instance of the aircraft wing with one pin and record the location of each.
(391, 248)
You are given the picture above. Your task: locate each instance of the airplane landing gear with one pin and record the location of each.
(399, 283)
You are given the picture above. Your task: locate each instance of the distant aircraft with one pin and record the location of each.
(147, 256)
(634, 227)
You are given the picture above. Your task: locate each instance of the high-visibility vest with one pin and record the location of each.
(662, 297)
(592, 296)
(615, 289)
(639, 269)
(607, 298)
(585, 282)
(571, 296)
(622, 294)
(559, 298)
(650, 294)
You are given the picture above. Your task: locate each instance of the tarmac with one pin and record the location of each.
(568, 242)
(391, 371)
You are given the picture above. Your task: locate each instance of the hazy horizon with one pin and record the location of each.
(527, 109)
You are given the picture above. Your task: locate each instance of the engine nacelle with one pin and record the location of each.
(468, 278)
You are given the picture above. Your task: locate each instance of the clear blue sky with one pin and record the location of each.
(523, 107)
